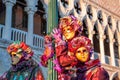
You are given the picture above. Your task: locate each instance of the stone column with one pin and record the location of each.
(90, 36)
(8, 18)
(112, 55)
(102, 52)
(30, 9)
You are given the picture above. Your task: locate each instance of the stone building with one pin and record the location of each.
(26, 20)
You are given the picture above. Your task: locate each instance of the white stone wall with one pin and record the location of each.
(4, 61)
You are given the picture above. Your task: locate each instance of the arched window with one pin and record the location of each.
(116, 47)
(77, 7)
(2, 13)
(89, 11)
(19, 16)
(117, 25)
(110, 22)
(100, 17)
(40, 26)
(85, 30)
(96, 40)
(106, 44)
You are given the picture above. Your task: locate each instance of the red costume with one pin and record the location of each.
(69, 47)
(90, 70)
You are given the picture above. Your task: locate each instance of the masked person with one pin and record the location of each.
(69, 28)
(23, 66)
(70, 64)
(86, 69)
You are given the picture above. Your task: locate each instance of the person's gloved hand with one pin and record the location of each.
(57, 35)
(48, 40)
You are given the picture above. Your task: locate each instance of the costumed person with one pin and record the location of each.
(86, 69)
(69, 28)
(48, 51)
(23, 66)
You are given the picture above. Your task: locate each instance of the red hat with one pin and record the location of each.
(70, 21)
(78, 42)
(26, 50)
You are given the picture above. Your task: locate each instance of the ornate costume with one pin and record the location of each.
(23, 66)
(73, 53)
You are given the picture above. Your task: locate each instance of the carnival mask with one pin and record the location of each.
(68, 32)
(19, 51)
(16, 57)
(82, 54)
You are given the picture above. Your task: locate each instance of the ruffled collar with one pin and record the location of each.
(23, 65)
(88, 65)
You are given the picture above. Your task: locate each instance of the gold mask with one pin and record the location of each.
(68, 32)
(82, 54)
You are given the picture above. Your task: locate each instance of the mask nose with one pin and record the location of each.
(82, 52)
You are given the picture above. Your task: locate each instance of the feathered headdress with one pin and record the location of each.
(20, 48)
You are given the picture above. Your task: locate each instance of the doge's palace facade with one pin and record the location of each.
(101, 21)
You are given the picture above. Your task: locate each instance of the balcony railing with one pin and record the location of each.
(19, 35)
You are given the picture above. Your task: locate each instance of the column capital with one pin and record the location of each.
(9, 1)
(30, 9)
(102, 36)
(31, 6)
(32, 3)
(93, 32)
(112, 40)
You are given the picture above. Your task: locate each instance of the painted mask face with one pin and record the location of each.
(82, 54)
(68, 32)
(15, 57)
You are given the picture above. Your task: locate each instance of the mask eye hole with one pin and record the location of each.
(14, 55)
(78, 51)
(84, 50)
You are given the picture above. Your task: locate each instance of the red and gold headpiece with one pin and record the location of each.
(81, 41)
(20, 48)
(71, 21)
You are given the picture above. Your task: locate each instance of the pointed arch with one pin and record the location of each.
(89, 11)
(85, 27)
(115, 76)
(100, 16)
(77, 7)
(96, 39)
(109, 21)
(106, 43)
(116, 46)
